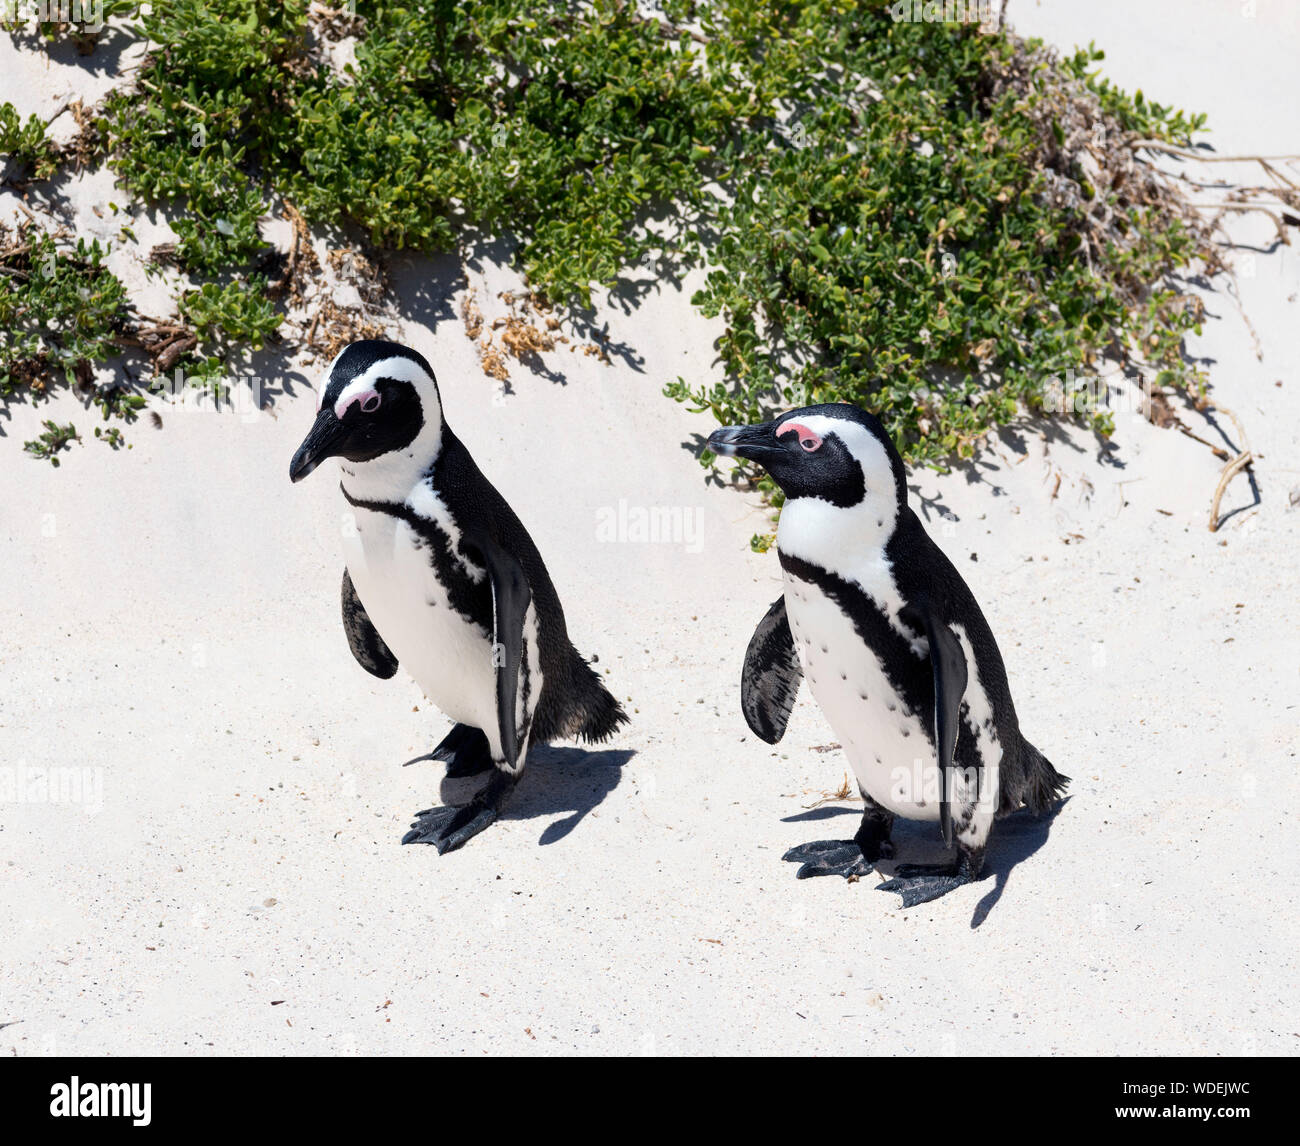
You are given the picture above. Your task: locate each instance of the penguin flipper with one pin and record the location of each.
(770, 679)
(948, 663)
(363, 638)
(511, 597)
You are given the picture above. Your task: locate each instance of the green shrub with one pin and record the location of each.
(62, 312)
(874, 199)
(24, 142)
(238, 311)
(52, 442)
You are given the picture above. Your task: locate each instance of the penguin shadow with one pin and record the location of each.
(825, 812)
(1015, 838)
(557, 781)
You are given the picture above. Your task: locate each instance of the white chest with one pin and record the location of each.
(449, 657)
(887, 744)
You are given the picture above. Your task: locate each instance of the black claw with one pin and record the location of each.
(829, 857)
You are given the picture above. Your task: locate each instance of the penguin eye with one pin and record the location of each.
(371, 404)
(808, 440)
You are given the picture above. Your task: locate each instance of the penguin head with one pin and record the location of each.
(376, 398)
(834, 452)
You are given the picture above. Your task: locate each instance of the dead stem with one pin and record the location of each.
(843, 792)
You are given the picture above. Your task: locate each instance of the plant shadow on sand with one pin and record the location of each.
(556, 780)
(1015, 837)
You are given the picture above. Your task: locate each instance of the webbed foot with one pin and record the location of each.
(448, 828)
(922, 882)
(829, 857)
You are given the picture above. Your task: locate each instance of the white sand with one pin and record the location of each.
(173, 627)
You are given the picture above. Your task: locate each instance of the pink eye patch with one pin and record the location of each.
(369, 400)
(807, 439)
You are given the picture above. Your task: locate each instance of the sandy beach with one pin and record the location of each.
(214, 867)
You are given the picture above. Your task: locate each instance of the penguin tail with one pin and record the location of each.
(1044, 784)
(595, 713)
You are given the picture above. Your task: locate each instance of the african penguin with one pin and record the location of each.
(443, 579)
(896, 651)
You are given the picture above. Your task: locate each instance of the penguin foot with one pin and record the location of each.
(922, 882)
(829, 857)
(450, 828)
(465, 751)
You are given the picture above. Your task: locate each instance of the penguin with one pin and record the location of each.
(442, 578)
(896, 651)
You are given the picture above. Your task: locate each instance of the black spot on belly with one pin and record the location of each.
(907, 675)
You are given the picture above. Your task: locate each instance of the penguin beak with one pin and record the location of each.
(320, 443)
(757, 443)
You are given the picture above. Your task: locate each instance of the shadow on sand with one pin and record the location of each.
(1015, 838)
(556, 781)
